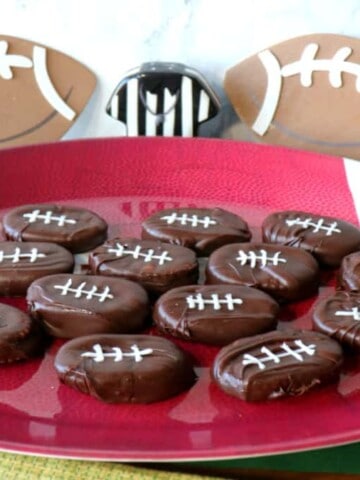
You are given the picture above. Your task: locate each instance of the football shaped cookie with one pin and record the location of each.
(304, 93)
(215, 314)
(286, 273)
(338, 316)
(328, 239)
(42, 92)
(23, 262)
(72, 305)
(76, 229)
(276, 364)
(125, 368)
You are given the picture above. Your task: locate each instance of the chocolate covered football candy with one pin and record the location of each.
(201, 229)
(328, 239)
(21, 338)
(71, 305)
(349, 273)
(215, 314)
(303, 93)
(286, 273)
(155, 265)
(76, 229)
(339, 317)
(125, 368)
(278, 363)
(23, 262)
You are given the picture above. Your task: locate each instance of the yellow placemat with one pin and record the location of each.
(25, 467)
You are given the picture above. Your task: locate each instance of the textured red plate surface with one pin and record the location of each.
(125, 180)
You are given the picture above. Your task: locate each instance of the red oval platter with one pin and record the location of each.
(126, 180)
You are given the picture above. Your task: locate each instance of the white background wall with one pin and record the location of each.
(112, 36)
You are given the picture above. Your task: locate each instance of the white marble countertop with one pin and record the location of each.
(113, 36)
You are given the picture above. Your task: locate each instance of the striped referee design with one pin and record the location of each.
(164, 113)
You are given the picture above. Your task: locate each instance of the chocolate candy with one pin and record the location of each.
(73, 305)
(349, 273)
(286, 273)
(76, 229)
(156, 266)
(278, 363)
(338, 316)
(22, 263)
(124, 368)
(215, 314)
(21, 338)
(201, 229)
(328, 239)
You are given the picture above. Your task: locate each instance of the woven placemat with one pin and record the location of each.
(26, 467)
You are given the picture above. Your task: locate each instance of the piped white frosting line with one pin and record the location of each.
(46, 86)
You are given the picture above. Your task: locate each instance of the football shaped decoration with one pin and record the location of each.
(42, 92)
(163, 99)
(303, 93)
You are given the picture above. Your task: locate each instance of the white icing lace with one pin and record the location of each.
(80, 291)
(17, 256)
(199, 302)
(98, 354)
(260, 258)
(296, 353)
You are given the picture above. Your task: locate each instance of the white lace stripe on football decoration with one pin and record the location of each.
(335, 66)
(98, 355)
(304, 67)
(260, 258)
(47, 87)
(272, 92)
(17, 256)
(80, 291)
(287, 351)
(48, 217)
(198, 302)
(189, 220)
(9, 61)
(318, 226)
(354, 313)
(148, 255)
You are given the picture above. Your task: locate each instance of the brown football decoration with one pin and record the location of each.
(42, 92)
(303, 93)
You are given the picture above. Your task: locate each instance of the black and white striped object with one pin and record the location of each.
(163, 99)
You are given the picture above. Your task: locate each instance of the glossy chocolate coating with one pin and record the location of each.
(90, 304)
(225, 227)
(349, 273)
(261, 367)
(328, 239)
(155, 265)
(161, 370)
(78, 231)
(23, 262)
(215, 314)
(339, 317)
(293, 276)
(21, 337)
